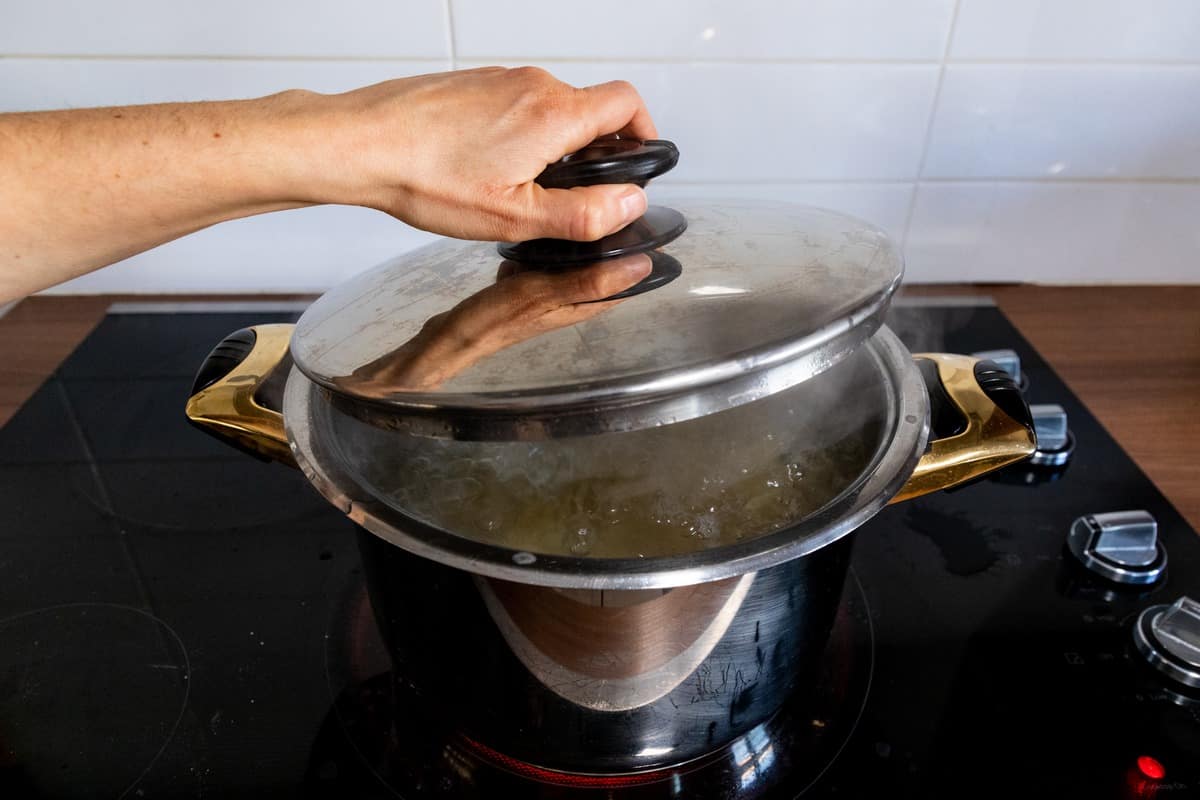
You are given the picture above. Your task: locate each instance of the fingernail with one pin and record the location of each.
(633, 204)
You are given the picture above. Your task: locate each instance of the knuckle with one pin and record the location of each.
(624, 87)
(533, 75)
(622, 92)
(541, 95)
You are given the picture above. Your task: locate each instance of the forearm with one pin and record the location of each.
(81, 189)
(453, 153)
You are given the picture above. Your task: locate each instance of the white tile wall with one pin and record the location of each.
(1051, 140)
(1091, 30)
(1057, 232)
(253, 28)
(1066, 121)
(753, 30)
(780, 122)
(304, 250)
(33, 84)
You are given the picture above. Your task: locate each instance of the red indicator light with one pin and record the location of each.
(1151, 768)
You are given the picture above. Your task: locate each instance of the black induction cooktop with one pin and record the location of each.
(180, 620)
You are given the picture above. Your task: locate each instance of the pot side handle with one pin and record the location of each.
(979, 422)
(238, 391)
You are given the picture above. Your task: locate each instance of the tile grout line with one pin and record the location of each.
(933, 109)
(267, 59)
(1149, 63)
(982, 179)
(1044, 180)
(450, 37)
(1016, 63)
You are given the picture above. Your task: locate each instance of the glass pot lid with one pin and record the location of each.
(697, 484)
(749, 299)
(523, 408)
(711, 497)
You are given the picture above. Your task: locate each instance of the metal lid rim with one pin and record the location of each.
(647, 385)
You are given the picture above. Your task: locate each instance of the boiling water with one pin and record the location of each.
(560, 502)
(675, 489)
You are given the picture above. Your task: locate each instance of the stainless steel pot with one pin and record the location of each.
(601, 681)
(710, 443)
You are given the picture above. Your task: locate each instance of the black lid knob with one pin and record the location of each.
(657, 227)
(610, 161)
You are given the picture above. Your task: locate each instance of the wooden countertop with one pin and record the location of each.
(1132, 354)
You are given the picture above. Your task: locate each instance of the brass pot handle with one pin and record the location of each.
(237, 392)
(979, 422)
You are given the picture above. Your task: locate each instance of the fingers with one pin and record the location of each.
(590, 212)
(583, 214)
(616, 107)
(479, 140)
(587, 213)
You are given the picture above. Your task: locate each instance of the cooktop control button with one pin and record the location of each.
(1009, 361)
(1169, 638)
(1121, 546)
(1055, 443)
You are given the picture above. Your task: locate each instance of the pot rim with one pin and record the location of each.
(900, 448)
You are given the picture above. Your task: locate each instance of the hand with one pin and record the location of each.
(456, 153)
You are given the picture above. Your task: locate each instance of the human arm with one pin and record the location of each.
(453, 153)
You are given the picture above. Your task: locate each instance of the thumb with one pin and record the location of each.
(584, 213)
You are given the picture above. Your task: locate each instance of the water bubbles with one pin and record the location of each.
(676, 489)
(580, 543)
(707, 526)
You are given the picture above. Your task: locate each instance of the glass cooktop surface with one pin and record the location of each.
(180, 620)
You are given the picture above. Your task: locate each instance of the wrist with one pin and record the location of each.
(315, 148)
(294, 154)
